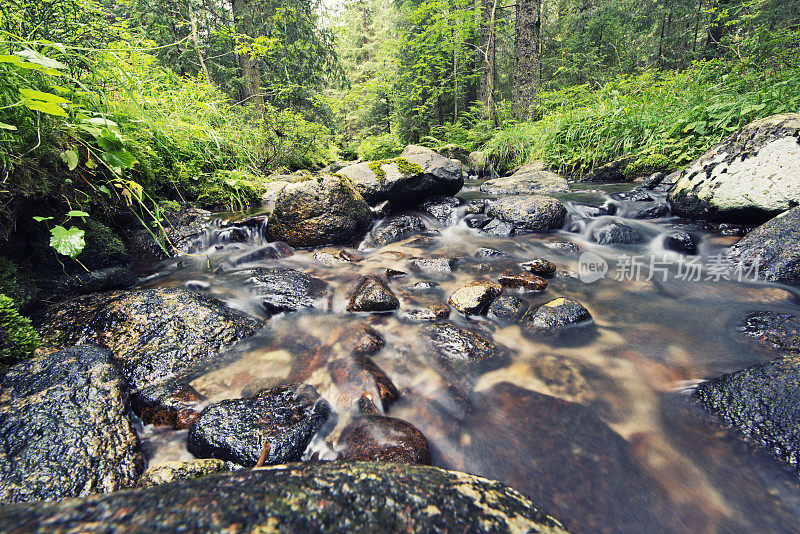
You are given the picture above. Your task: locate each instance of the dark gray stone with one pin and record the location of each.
(555, 316)
(773, 247)
(372, 295)
(498, 228)
(507, 308)
(393, 229)
(771, 329)
(616, 233)
(286, 290)
(457, 350)
(441, 208)
(682, 242)
(534, 213)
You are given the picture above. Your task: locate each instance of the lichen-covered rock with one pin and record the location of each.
(534, 213)
(553, 317)
(326, 210)
(407, 180)
(332, 497)
(65, 428)
(286, 290)
(275, 424)
(393, 229)
(773, 249)
(175, 404)
(475, 297)
(526, 182)
(752, 175)
(181, 470)
(154, 334)
(383, 439)
(457, 350)
(762, 402)
(372, 295)
(771, 329)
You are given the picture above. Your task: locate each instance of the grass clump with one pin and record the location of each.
(18, 339)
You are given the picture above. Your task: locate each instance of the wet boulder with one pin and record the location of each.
(272, 427)
(406, 180)
(173, 404)
(361, 339)
(372, 295)
(508, 308)
(751, 176)
(475, 297)
(773, 249)
(533, 213)
(525, 281)
(456, 350)
(761, 402)
(308, 497)
(616, 233)
(539, 266)
(65, 427)
(103, 280)
(286, 290)
(181, 470)
(498, 228)
(564, 247)
(393, 229)
(682, 242)
(557, 315)
(273, 188)
(441, 208)
(776, 330)
(154, 334)
(357, 375)
(526, 182)
(383, 439)
(325, 210)
(425, 313)
(646, 210)
(440, 268)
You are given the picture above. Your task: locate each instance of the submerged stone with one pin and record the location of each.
(383, 439)
(553, 317)
(393, 229)
(171, 404)
(457, 350)
(372, 295)
(776, 330)
(357, 375)
(522, 280)
(616, 233)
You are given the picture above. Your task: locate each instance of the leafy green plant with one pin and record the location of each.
(18, 339)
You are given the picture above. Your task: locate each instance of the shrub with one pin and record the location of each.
(18, 339)
(380, 147)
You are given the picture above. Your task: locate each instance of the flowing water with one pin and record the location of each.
(627, 452)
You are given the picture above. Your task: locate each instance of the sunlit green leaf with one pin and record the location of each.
(77, 213)
(33, 94)
(67, 242)
(40, 219)
(35, 57)
(70, 157)
(45, 107)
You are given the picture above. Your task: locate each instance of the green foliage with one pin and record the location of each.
(231, 190)
(385, 146)
(677, 114)
(17, 285)
(18, 339)
(103, 247)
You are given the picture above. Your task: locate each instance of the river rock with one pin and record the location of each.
(181, 470)
(276, 423)
(154, 334)
(325, 210)
(65, 427)
(646, 210)
(498, 228)
(171, 404)
(441, 208)
(534, 213)
(309, 497)
(523, 182)
(407, 180)
(441, 268)
(393, 229)
(682, 242)
(762, 402)
(475, 297)
(553, 317)
(539, 266)
(750, 176)
(361, 339)
(508, 308)
(411, 150)
(771, 329)
(457, 350)
(564, 247)
(272, 190)
(357, 375)
(286, 290)
(616, 233)
(383, 439)
(773, 248)
(522, 280)
(372, 295)
(455, 152)
(425, 313)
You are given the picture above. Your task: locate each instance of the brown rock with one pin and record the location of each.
(172, 404)
(356, 375)
(372, 295)
(361, 339)
(526, 281)
(384, 439)
(539, 266)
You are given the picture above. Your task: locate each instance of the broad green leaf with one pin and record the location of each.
(40, 219)
(33, 94)
(100, 121)
(70, 157)
(45, 107)
(103, 189)
(67, 242)
(4, 126)
(77, 213)
(39, 59)
(118, 158)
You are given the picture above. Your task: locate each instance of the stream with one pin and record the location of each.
(599, 428)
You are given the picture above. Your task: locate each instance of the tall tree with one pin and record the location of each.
(527, 55)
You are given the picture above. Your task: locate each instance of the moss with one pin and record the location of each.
(20, 287)
(103, 247)
(406, 168)
(647, 165)
(232, 190)
(18, 339)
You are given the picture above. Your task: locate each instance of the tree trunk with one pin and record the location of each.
(250, 70)
(527, 57)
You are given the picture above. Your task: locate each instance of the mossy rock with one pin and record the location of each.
(18, 339)
(647, 165)
(103, 247)
(19, 286)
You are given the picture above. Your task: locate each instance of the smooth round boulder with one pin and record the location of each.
(324, 210)
(539, 182)
(475, 297)
(307, 497)
(372, 295)
(154, 334)
(751, 176)
(272, 427)
(554, 316)
(534, 213)
(772, 250)
(376, 438)
(457, 350)
(65, 427)
(682, 242)
(286, 290)
(539, 266)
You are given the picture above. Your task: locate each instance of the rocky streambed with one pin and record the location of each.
(340, 359)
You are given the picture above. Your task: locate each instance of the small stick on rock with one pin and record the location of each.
(264, 453)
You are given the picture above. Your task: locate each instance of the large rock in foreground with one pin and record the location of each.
(752, 175)
(773, 249)
(154, 334)
(65, 428)
(407, 180)
(326, 210)
(336, 497)
(533, 213)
